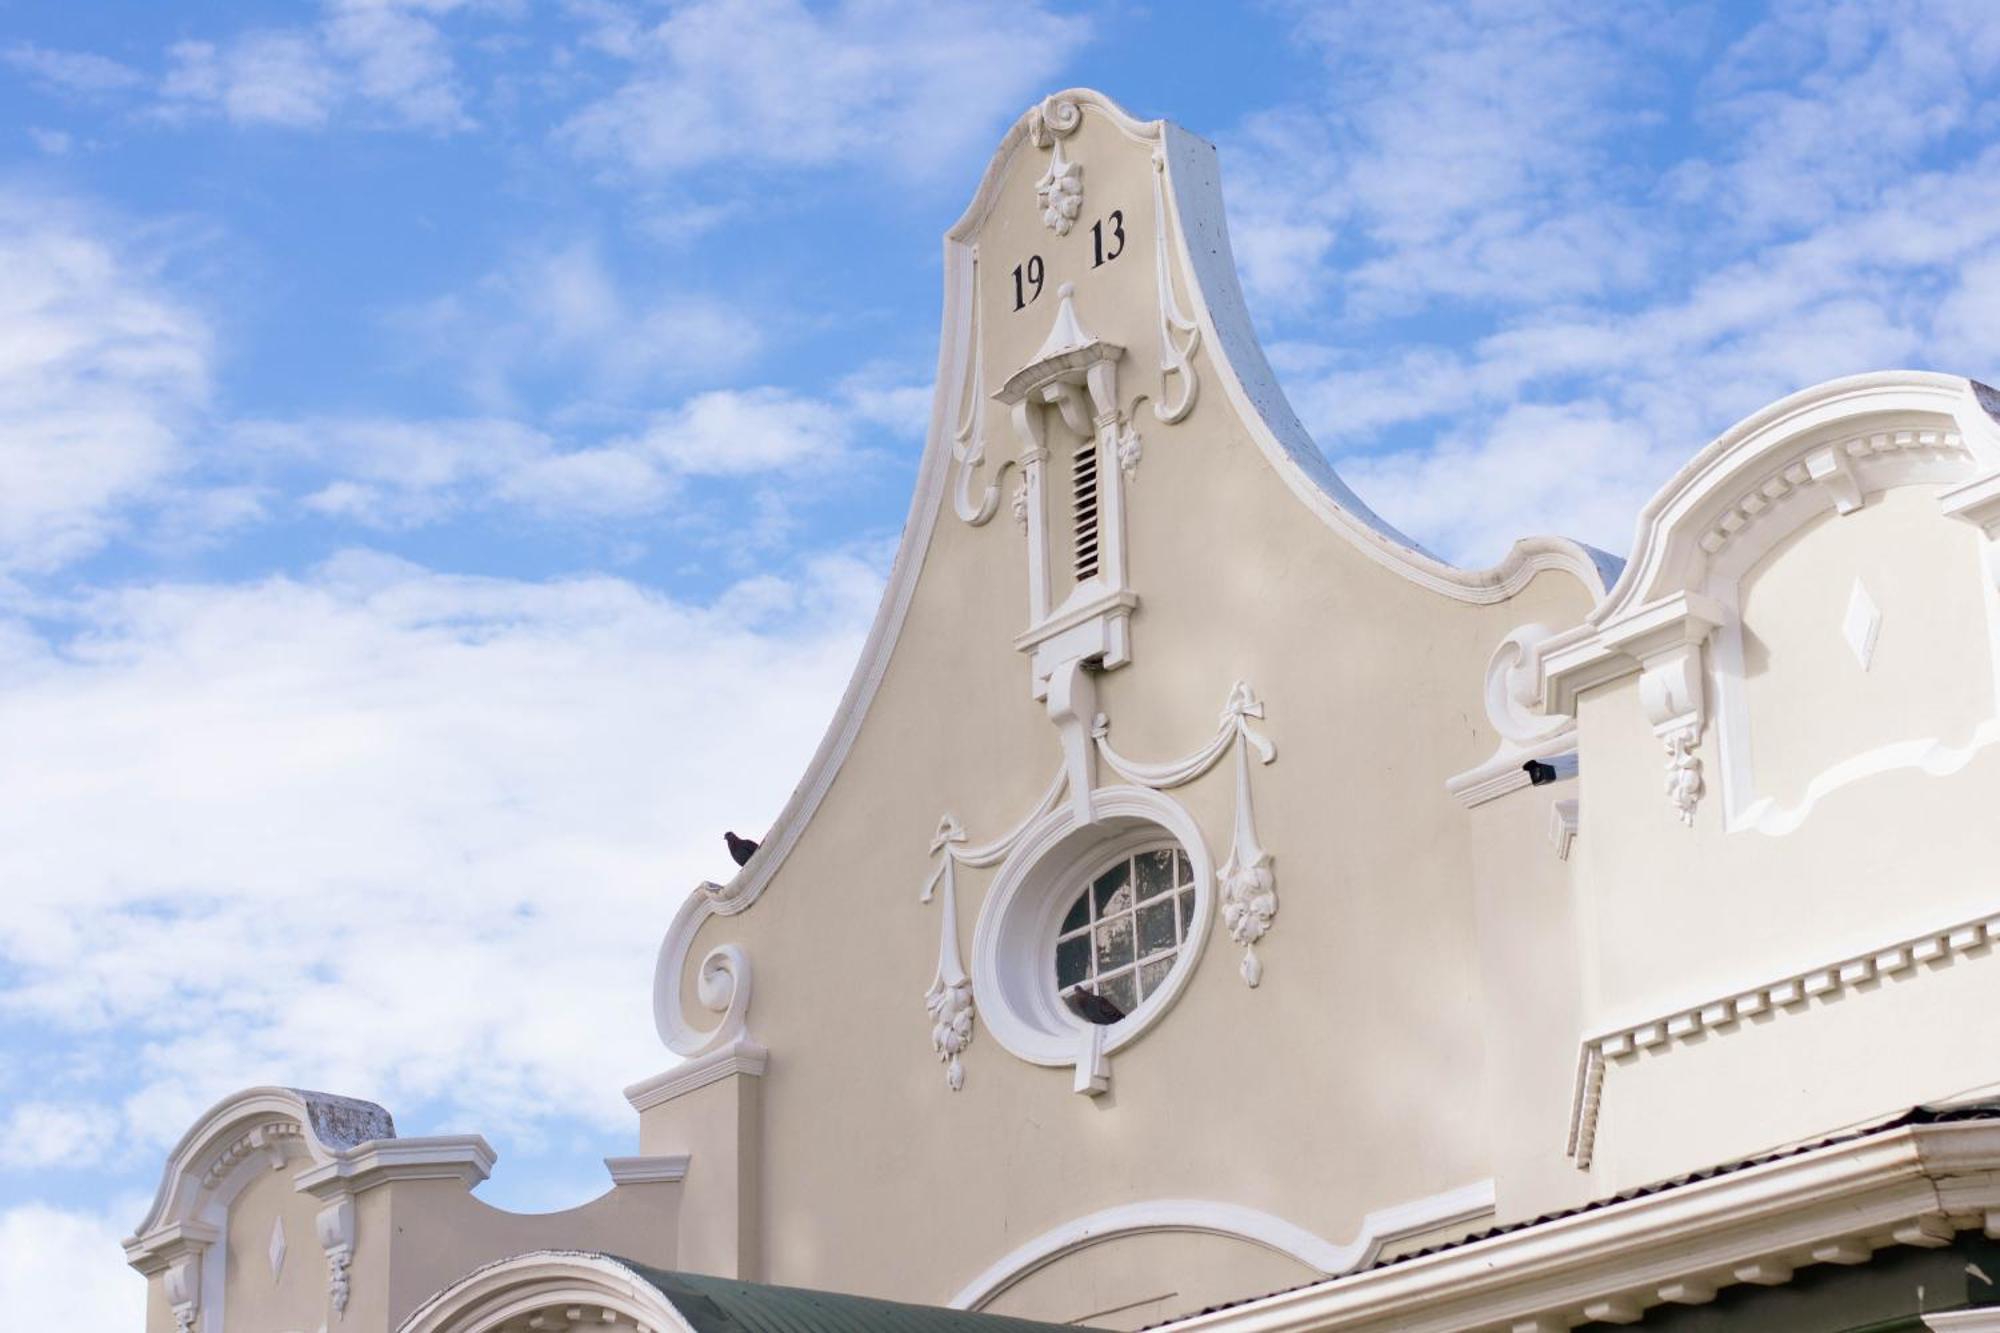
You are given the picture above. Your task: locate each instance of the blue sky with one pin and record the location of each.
(449, 451)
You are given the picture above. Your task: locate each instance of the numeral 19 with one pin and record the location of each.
(1032, 271)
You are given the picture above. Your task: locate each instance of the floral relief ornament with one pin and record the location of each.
(949, 998)
(1249, 886)
(1060, 190)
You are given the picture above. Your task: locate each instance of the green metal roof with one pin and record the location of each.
(723, 1305)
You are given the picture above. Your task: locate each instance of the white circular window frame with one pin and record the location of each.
(1014, 941)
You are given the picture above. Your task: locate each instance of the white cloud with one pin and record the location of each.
(390, 473)
(732, 433)
(377, 792)
(1567, 324)
(101, 372)
(71, 71)
(54, 1134)
(54, 1257)
(560, 314)
(268, 78)
(1489, 185)
(387, 61)
(727, 82)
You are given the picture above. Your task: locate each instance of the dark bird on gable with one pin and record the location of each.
(1092, 1007)
(740, 849)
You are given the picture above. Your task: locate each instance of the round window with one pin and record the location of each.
(1091, 930)
(1118, 942)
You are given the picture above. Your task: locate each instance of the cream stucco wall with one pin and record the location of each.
(1354, 1077)
(1447, 1008)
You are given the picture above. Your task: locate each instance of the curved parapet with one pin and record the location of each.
(282, 1208)
(1182, 342)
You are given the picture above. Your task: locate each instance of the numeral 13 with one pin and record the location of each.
(1117, 221)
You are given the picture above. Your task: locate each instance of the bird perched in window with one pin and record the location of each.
(1092, 1007)
(740, 849)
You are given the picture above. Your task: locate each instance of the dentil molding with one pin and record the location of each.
(1724, 1014)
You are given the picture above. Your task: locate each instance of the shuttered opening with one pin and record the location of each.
(1083, 506)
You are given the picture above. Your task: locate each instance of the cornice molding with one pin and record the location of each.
(1721, 1015)
(647, 1170)
(1912, 1185)
(739, 1057)
(1383, 1227)
(466, 1158)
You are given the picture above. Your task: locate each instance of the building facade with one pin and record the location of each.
(1202, 892)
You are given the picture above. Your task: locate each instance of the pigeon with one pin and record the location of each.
(1092, 1007)
(740, 849)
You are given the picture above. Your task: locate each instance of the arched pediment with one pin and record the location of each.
(270, 1124)
(1769, 486)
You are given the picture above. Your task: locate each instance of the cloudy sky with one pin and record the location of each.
(450, 449)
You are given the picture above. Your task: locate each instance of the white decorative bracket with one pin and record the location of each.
(1179, 335)
(334, 1227)
(1666, 639)
(1563, 822)
(968, 445)
(183, 1283)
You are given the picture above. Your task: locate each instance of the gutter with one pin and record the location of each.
(1915, 1184)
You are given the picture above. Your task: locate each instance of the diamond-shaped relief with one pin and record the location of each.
(277, 1248)
(1861, 624)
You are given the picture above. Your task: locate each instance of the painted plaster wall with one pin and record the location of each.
(1137, 1281)
(297, 1297)
(1352, 1078)
(1675, 917)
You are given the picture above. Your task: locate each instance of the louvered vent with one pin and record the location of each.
(1083, 502)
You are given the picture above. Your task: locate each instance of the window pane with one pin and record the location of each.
(1072, 961)
(1187, 912)
(1156, 927)
(1114, 890)
(1153, 973)
(1183, 872)
(1114, 944)
(1079, 914)
(1119, 991)
(1156, 872)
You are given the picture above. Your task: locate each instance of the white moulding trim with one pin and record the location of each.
(1932, 757)
(1721, 1014)
(1563, 821)
(742, 1057)
(1384, 1226)
(1201, 247)
(556, 1284)
(1015, 931)
(466, 1158)
(647, 1170)
(1513, 697)
(1763, 1221)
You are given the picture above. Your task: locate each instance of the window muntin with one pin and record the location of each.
(1123, 933)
